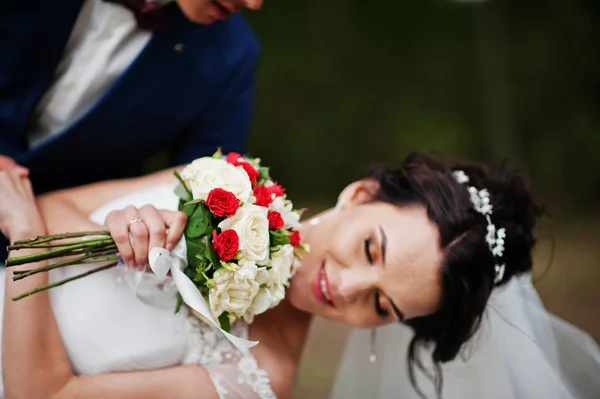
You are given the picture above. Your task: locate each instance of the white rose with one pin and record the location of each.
(272, 281)
(252, 226)
(290, 218)
(281, 262)
(199, 166)
(233, 292)
(261, 303)
(206, 174)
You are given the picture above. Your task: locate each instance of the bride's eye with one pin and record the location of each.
(381, 312)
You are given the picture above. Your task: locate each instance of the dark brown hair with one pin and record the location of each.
(467, 270)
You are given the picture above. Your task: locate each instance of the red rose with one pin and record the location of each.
(222, 202)
(276, 189)
(226, 244)
(233, 158)
(275, 220)
(237, 160)
(263, 196)
(251, 170)
(295, 238)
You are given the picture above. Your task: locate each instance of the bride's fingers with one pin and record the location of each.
(155, 224)
(22, 184)
(7, 163)
(139, 235)
(117, 225)
(176, 222)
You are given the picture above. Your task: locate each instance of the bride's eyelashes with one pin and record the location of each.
(381, 312)
(368, 243)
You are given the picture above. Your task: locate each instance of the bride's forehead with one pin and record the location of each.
(408, 220)
(411, 237)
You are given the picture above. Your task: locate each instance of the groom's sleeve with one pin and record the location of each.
(227, 124)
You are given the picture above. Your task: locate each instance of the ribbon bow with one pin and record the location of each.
(162, 261)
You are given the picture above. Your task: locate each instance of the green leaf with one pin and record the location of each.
(187, 209)
(278, 238)
(199, 223)
(212, 257)
(183, 193)
(179, 302)
(189, 271)
(195, 251)
(263, 175)
(224, 321)
(264, 172)
(194, 201)
(218, 154)
(178, 176)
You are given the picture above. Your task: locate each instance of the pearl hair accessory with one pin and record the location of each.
(494, 237)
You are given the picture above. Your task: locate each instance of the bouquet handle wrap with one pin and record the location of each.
(162, 261)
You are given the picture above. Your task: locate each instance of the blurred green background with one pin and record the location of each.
(343, 84)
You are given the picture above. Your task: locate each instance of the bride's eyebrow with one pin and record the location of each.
(397, 311)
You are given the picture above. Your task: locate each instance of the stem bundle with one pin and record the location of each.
(93, 247)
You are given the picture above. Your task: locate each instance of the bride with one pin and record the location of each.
(425, 245)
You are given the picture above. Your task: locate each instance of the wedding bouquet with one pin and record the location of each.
(240, 242)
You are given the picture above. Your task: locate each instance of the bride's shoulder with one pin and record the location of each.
(280, 366)
(281, 339)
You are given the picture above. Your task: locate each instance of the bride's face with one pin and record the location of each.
(370, 264)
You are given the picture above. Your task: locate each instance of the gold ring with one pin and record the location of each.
(136, 220)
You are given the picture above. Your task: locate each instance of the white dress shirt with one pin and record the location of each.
(105, 40)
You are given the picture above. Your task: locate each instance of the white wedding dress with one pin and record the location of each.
(105, 327)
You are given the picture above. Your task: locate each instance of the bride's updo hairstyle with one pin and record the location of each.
(468, 267)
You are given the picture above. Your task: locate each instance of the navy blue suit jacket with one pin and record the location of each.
(189, 90)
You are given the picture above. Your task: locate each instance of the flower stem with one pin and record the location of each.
(70, 249)
(42, 239)
(16, 247)
(85, 259)
(58, 283)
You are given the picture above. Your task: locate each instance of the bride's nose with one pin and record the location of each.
(355, 281)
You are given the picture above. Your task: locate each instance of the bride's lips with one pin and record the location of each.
(320, 287)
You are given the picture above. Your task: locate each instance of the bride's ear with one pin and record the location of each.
(359, 192)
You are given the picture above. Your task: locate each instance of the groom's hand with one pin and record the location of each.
(136, 231)
(7, 163)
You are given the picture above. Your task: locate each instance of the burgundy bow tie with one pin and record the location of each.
(148, 15)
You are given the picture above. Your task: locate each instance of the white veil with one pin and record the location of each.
(521, 351)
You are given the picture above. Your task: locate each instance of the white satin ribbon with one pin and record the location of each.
(162, 261)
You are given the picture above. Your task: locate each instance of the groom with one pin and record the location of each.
(89, 89)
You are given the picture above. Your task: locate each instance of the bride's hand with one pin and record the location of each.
(7, 163)
(149, 227)
(19, 214)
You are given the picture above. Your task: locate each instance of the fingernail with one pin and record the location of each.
(22, 170)
(169, 247)
(132, 264)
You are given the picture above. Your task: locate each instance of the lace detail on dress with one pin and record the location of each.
(235, 374)
(257, 378)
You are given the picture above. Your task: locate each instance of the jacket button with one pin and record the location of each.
(178, 48)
